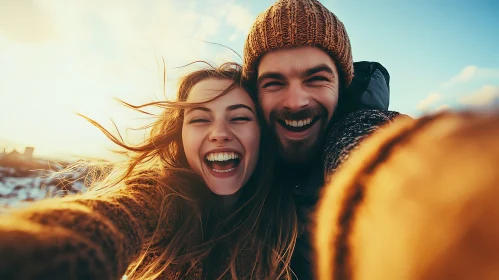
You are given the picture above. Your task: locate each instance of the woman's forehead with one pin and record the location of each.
(210, 89)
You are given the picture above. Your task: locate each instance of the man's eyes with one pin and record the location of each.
(272, 83)
(318, 79)
(279, 83)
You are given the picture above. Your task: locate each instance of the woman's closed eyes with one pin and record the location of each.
(238, 119)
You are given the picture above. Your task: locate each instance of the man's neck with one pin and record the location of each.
(297, 173)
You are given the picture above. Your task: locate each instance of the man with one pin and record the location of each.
(298, 55)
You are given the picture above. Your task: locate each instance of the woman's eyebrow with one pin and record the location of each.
(238, 106)
(190, 110)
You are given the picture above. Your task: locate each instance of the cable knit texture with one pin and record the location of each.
(347, 134)
(85, 238)
(294, 23)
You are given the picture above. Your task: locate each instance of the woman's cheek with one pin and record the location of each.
(253, 142)
(192, 144)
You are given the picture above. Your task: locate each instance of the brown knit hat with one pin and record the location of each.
(293, 23)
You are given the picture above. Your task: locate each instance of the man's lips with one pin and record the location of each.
(298, 125)
(294, 134)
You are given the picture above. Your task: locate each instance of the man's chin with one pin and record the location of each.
(299, 151)
(296, 158)
(295, 154)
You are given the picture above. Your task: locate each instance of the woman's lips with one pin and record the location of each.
(225, 171)
(223, 163)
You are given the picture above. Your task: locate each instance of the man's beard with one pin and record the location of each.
(299, 152)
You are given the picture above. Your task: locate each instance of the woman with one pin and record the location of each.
(194, 201)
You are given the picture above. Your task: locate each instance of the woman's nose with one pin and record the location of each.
(220, 133)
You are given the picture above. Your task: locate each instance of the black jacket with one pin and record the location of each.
(370, 87)
(362, 110)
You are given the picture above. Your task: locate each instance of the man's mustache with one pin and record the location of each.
(286, 114)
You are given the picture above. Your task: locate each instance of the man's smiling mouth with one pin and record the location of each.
(298, 125)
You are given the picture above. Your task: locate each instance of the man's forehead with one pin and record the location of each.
(293, 61)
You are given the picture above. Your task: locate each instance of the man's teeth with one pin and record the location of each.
(221, 156)
(299, 123)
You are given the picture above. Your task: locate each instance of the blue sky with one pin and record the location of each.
(58, 58)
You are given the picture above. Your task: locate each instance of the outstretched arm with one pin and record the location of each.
(78, 237)
(417, 200)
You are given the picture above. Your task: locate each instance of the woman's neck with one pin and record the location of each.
(221, 207)
(229, 201)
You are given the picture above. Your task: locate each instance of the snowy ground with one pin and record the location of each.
(16, 190)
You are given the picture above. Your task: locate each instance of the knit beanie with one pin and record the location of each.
(295, 23)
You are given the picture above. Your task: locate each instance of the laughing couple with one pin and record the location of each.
(226, 184)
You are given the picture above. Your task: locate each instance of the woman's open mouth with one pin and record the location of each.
(222, 162)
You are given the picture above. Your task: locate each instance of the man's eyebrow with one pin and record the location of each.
(270, 75)
(238, 106)
(317, 69)
(190, 110)
(305, 73)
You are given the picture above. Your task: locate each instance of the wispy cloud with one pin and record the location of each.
(233, 37)
(25, 21)
(473, 87)
(484, 97)
(469, 73)
(240, 17)
(440, 108)
(425, 104)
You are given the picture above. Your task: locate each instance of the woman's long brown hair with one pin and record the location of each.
(191, 230)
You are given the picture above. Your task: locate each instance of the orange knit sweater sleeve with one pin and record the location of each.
(78, 237)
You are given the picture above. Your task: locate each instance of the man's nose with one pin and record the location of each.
(296, 98)
(220, 132)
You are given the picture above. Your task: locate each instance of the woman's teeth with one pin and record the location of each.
(221, 156)
(222, 162)
(223, 171)
(299, 123)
